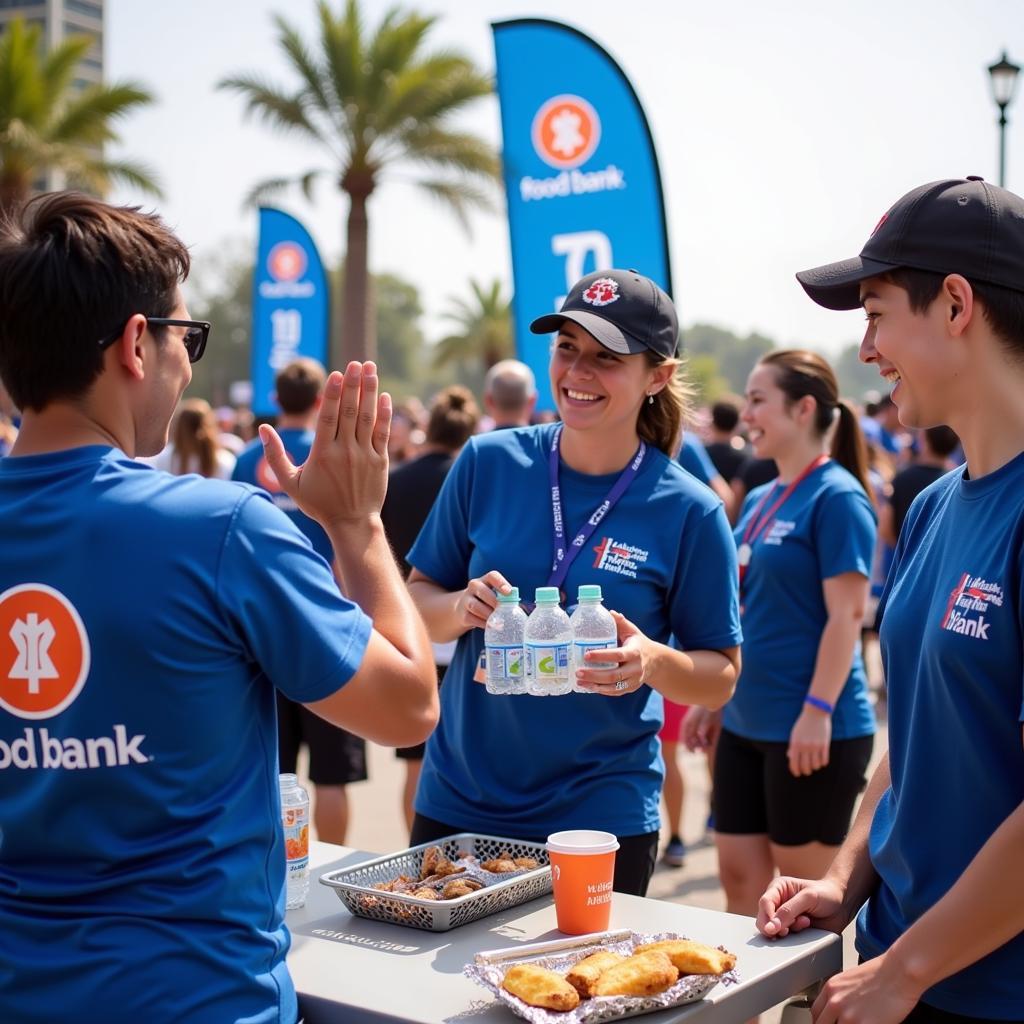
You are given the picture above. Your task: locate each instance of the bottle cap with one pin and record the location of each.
(512, 597)
(590, 592)
(547, 595)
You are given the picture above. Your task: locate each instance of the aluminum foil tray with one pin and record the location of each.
(489, 968)
(501, 891)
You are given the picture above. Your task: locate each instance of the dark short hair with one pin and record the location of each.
(1003, 308)
(725, 415)
(73, 270)
(298, 386)
(942, 440)
(454, 416)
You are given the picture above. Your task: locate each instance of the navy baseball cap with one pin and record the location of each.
(625, 311)
(958, 226)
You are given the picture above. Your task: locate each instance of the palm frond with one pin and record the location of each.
(460, 197)
(88, 117)
(130, 173)
(304, 63)
(274, 108)
(59, 66)
(459, 151)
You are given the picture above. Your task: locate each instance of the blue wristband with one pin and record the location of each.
(821, 705)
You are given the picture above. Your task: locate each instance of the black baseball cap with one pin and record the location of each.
(958, 226)
(625, 311)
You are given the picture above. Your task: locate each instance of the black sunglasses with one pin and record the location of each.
(195, 337)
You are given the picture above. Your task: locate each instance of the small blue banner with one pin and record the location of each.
(290, 305)
(581, 174)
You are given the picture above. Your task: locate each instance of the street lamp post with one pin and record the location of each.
(1004, 81)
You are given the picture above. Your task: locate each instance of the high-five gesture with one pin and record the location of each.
(345, 477)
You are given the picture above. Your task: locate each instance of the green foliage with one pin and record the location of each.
(484, 328)
(703, 373)
(735, 355)
(855, 377)
(46, 124)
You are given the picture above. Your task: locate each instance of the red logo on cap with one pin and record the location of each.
(885, 217)
(566, 131)
(286, 261)
(602, 292)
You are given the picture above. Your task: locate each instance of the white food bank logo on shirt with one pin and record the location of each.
(44, 664)
(618, 557)
(969, 603)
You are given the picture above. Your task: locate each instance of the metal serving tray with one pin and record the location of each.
(501, 891)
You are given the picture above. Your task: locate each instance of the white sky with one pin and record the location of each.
(783, 129)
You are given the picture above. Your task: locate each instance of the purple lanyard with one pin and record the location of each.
(564, 558)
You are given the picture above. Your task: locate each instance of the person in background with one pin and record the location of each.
(227, 424)
(517, 508)
(412, 489)
(510, 394)
(725, 447)
(673, 790)
(195, 445)
(932, 866)
(142, 863)
(337, 758)
(407, 431)
(795, 740)
(935, 460)
(694, 459)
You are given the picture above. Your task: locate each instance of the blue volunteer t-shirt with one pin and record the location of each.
(145, 620)
(526, 766)
(252, 468)
(952, 643)
(694, 458)
(825, 528)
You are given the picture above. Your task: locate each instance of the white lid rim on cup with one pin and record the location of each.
(582, 842)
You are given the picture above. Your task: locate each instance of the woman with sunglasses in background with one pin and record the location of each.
(517, 509)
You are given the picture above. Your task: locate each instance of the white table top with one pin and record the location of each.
(350, 969)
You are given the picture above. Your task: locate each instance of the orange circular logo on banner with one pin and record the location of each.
(286, 261)
(266, 477)
(44, 651)
(566, 131)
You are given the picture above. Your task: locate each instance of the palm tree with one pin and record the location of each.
(372, 102)
(485, 328)
(47, 125)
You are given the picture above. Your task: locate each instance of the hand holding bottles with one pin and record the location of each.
(478, 600)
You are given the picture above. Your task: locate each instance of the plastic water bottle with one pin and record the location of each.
(593, 629)
(548, 641)
(503, 643)
(295, 820)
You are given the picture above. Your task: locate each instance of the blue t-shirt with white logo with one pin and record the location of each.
(952, 641)
(252, 468)
(145, 621)
(526, 766)
(826, 527)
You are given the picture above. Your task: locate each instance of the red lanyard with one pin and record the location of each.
(758, 523)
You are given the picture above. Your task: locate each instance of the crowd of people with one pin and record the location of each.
(328, 582)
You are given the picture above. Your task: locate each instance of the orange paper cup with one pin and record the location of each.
(582, 869)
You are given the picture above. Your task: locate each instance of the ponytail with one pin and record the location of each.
(660, 422)
(848, 446)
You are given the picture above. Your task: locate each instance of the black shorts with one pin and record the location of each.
(416, 753)
(634, 859)
(336, 757)
(755, 794)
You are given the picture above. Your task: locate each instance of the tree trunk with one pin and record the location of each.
(358, 322)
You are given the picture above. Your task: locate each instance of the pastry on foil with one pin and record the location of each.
(584, 975)
(692, 957)
(537, 986)
(643, 974)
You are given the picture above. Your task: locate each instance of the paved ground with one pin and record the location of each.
(377, 825)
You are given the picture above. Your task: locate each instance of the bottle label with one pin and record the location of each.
(582, 646)
(548, 662)
(296, 839)
(505, 661)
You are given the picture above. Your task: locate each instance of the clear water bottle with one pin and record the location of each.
(593, 629)
(295, 820)
(548, 642)
(503, 643)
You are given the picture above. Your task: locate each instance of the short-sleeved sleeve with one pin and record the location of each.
(443, 548)
(704, 597)
(283, 602)
(845, 531)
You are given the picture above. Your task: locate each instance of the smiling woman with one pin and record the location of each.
(524, 768)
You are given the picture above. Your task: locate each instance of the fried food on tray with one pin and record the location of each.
(500, 864)
(424, 893)
(529, 863)
(584, 975)
(643, 974)
(460, 887)
(692, 957)
(537, 986)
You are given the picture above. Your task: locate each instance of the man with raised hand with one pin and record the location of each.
(146, 621)
(933, 861)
